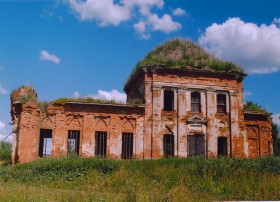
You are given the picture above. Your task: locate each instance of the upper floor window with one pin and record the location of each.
(168, 100)
(221, 103)
(195, 102)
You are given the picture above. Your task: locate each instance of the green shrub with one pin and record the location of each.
(5, 151)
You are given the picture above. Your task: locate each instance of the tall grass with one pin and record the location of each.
(192, 179)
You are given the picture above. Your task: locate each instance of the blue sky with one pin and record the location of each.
(84, 48)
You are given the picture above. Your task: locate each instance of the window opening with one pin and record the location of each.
(45, 143)
(168, 145)
(127, 145)
(168, 100)
(221, 103)
(73, 141)
(100, 143)
(195, 102)
(196, 145)
(222, 146)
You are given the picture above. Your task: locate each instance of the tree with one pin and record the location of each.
(276, 139)
(5, 151)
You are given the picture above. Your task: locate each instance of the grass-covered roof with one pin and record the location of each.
(181, 53)
(250, 106)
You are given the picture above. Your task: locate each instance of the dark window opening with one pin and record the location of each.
(195, 102)
(221, 103)
(168, 100)
(196, 145)
(168, 145)
(73, 141)
(222, 146)
(127, 145)
(100, 143)
(45, 143)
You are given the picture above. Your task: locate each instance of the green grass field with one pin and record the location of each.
(192, 179)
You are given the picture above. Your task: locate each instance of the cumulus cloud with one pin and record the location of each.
(255, 48)
(110, 12)
(76, 94)
(3, 90)
(247, 93)
(46, 56)
(165, 24)
(105, 95)
(276, 119)
(3, 133)
(276, 21)
(2, 125)
(105, 11)
(179, 12)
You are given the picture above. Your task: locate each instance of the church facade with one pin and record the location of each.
(183, 112)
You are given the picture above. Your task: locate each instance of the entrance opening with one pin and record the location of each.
(168, 145)
(127, 145)
(45, 143)
(196, 145)
(100, 143)
(222, 146)
(73, 141)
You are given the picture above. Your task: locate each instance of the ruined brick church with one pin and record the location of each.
(181, 102)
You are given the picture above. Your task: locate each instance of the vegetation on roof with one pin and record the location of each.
(180, 53)
(64, 100)
(254, 107)
(43, 105)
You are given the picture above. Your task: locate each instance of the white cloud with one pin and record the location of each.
(4, 134)
(45, 56)
(3, 90)
(255, 48)
(105, 11)
(111, 95)
(247, 93)
(2, 125)
(165, 24)
(105, 95)
(276, 119)
(276, 21)
(76, 94)
(179, 12)
(110, 12)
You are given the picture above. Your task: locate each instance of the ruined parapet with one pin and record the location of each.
(23, 95)
(24, 113)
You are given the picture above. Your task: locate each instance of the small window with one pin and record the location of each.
(222, 146)
(196, 145)
(127, 145)
(168, 145)
(100, 143)
(221, 103)
(168, 100)
(268, 147)
(45, 142)
(195, 102)
(73, 141)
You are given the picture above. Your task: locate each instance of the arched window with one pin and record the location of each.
(195, 102)
(168, 100)
(221, 103)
